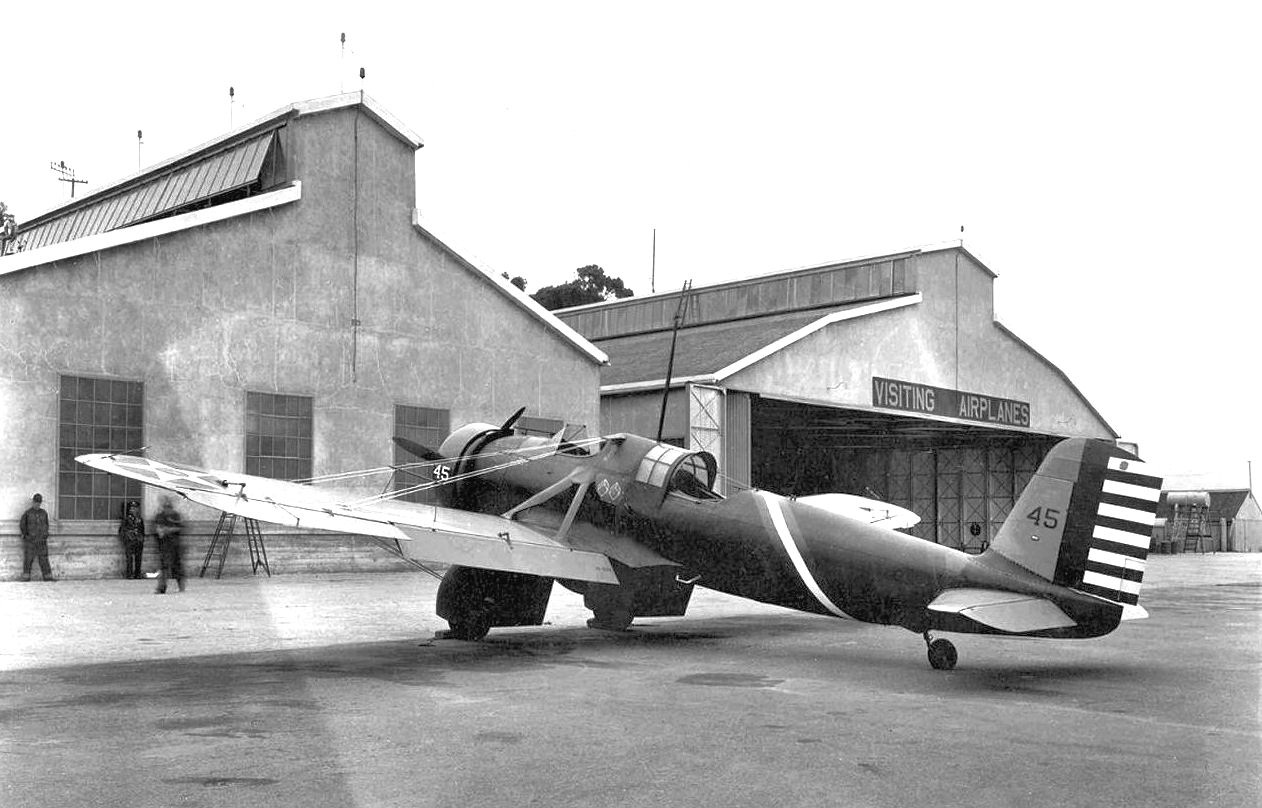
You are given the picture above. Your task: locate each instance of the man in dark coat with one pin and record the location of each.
(132, 535)
(168, 525)
(34, 526)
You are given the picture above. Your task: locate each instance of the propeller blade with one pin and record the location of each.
(512, 419)
(416, 449)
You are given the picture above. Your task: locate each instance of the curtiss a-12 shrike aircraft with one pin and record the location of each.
(633, 524)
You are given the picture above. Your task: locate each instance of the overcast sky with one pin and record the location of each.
(1103, 158)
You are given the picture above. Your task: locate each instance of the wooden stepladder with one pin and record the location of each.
(222, 541)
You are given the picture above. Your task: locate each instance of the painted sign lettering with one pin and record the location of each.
(924, 398)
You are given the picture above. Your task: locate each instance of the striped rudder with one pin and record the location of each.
(1085, 520)
(1118, 549)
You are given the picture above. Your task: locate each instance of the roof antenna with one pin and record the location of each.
(66, 175)
(653, 272)
(341, 67)
(232, 100)
(139, 143)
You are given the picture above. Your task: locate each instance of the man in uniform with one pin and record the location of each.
(131, 532)
(34, 526)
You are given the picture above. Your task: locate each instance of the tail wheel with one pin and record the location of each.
(942, 655)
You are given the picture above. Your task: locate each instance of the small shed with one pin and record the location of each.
(1233, 523)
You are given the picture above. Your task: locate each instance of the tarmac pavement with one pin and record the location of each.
(329, 691)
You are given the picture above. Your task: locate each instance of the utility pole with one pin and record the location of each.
(66, 175)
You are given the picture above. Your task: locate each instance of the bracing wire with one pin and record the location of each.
(542, 451)
(524, 455)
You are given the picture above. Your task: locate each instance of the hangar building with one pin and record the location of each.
(887, 377)
(268, 302)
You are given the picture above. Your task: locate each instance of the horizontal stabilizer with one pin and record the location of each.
(1004, 611)
(872, 511)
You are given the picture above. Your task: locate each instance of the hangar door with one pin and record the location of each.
(962, 493)
(962, 481)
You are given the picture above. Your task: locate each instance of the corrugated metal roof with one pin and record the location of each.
(700, 350)
(234, 167)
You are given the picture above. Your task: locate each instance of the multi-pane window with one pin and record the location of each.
(96, 415)
(278, 436)
(428, 427)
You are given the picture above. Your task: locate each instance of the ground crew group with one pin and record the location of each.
(167, 524)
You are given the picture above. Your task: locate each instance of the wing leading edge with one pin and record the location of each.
(424, 532)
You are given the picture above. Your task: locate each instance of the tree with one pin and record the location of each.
(591, 286)
(8, 229)
(516, 280)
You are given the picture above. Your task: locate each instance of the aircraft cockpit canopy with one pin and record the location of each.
(680, 471)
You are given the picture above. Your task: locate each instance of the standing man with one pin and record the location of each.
(168, 525)
(34, 526)
(132, 534)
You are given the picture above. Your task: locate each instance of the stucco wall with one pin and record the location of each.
(264, 302)
(926, 343)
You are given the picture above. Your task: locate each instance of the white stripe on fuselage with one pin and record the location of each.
(790, 546)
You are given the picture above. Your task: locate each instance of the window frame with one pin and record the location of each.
(275, 454)
(114, 422)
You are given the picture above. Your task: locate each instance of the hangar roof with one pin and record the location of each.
(714, 351)
(731, 326)
(212, 169)
(228, 176)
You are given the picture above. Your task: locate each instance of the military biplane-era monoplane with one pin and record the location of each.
(633, 524)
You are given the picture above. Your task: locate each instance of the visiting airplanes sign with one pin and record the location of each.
(924, 398)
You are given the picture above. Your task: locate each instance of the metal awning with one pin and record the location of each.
(237, 166)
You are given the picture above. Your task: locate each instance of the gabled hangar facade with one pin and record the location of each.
(887, 377)
(268, 302)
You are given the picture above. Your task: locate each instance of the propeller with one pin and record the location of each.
(512, 419)
(417, 450)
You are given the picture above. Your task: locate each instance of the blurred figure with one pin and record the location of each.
(132, 535)
(168, 525)
(34, 526)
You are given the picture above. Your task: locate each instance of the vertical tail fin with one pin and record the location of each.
(1085, 520)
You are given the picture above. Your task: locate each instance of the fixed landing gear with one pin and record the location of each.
(612, 620)
(942, 655)
(471, 626)
(473, 601)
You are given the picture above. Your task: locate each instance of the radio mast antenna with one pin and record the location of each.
(66, 174)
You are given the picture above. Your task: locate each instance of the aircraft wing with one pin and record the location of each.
(424, 532)
(1005, 611)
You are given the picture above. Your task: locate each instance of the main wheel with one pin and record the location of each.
(611, 619)
(942, 656)
(471, 626)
